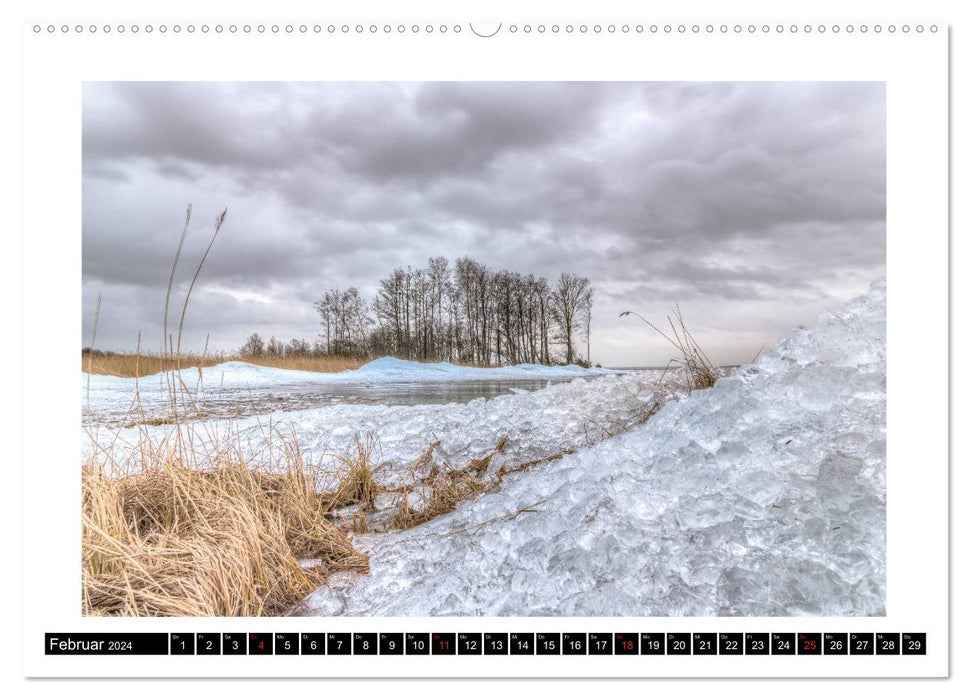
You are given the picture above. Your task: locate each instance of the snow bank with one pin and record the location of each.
(763, 496)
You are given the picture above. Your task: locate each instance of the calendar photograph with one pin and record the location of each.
(483, 349)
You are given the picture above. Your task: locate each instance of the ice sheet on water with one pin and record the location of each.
(764, 496)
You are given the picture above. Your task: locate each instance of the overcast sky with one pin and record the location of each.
(754, 205)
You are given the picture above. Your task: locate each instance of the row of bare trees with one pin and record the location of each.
(255, 346)
(465, 313)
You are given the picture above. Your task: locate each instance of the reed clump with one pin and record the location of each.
(358, 484)
(144, 364)
(700, 372)
(227, 540)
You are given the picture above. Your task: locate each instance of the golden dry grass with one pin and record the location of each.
(225, 540)
(444, 493)
(120, 364)
(699, 371)
(358, 484)
(308, 363)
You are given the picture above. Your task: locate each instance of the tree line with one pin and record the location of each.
(461, 313)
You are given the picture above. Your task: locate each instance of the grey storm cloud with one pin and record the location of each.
(753, 205)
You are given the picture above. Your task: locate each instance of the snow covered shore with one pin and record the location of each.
(763, 496)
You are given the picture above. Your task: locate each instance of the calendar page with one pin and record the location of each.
(428, 346)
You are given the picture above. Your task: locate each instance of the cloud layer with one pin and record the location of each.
(753, 205)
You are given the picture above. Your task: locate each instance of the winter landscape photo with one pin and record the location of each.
(483, 349)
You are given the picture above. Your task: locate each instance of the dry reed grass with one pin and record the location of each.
(174, 540)
(358, 484)
(443, 489)
(701, 373)
(120, 364)
(308, 363)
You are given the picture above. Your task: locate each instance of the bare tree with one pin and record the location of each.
(390, 307)
(327, 308)
(345, 322)
(274, 347)
(567, 308)
(253, 347)
(587, 318)
(297, 346)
